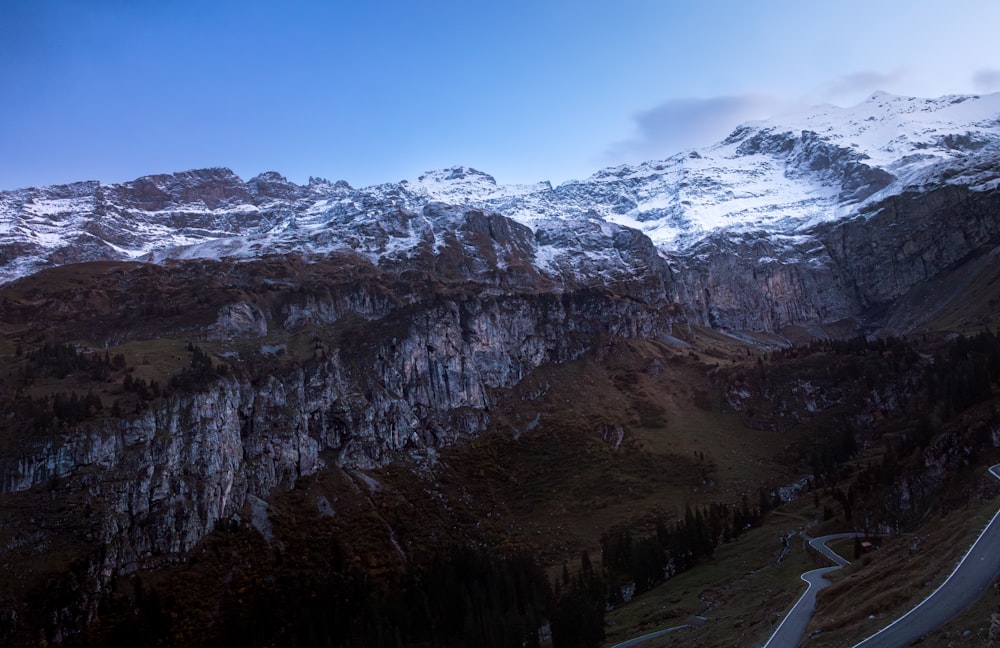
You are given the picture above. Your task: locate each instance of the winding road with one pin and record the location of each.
(791, 629)
(971, 577)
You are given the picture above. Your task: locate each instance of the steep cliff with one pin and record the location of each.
(422, 375)
(331, 371)
(854, 270)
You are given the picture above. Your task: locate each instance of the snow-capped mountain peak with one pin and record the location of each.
(781, 176)
(791, 173)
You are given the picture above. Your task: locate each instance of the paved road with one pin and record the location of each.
(647, 637)
(819, 544)
(973, 576)
(789, 633)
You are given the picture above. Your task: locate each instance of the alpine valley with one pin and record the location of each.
(443, 411)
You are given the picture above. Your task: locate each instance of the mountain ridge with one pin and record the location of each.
(784, 183)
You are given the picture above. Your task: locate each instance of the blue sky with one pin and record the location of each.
(379, 91)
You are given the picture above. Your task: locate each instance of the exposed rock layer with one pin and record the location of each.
(852, 270)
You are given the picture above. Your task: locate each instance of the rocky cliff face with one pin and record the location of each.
(909, 239)
(854, 270)
(394, 376)
(423, 375)
(751, 282)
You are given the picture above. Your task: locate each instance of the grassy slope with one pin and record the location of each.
(744, 594)
(884, 585)
(743, 591)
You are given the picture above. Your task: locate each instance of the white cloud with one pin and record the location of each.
(987, 80)
(858, 85)
(679, 124)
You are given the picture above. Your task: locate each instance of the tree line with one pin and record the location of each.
(462, 596)
(641, 563)
(59, 408)
(60, 360)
